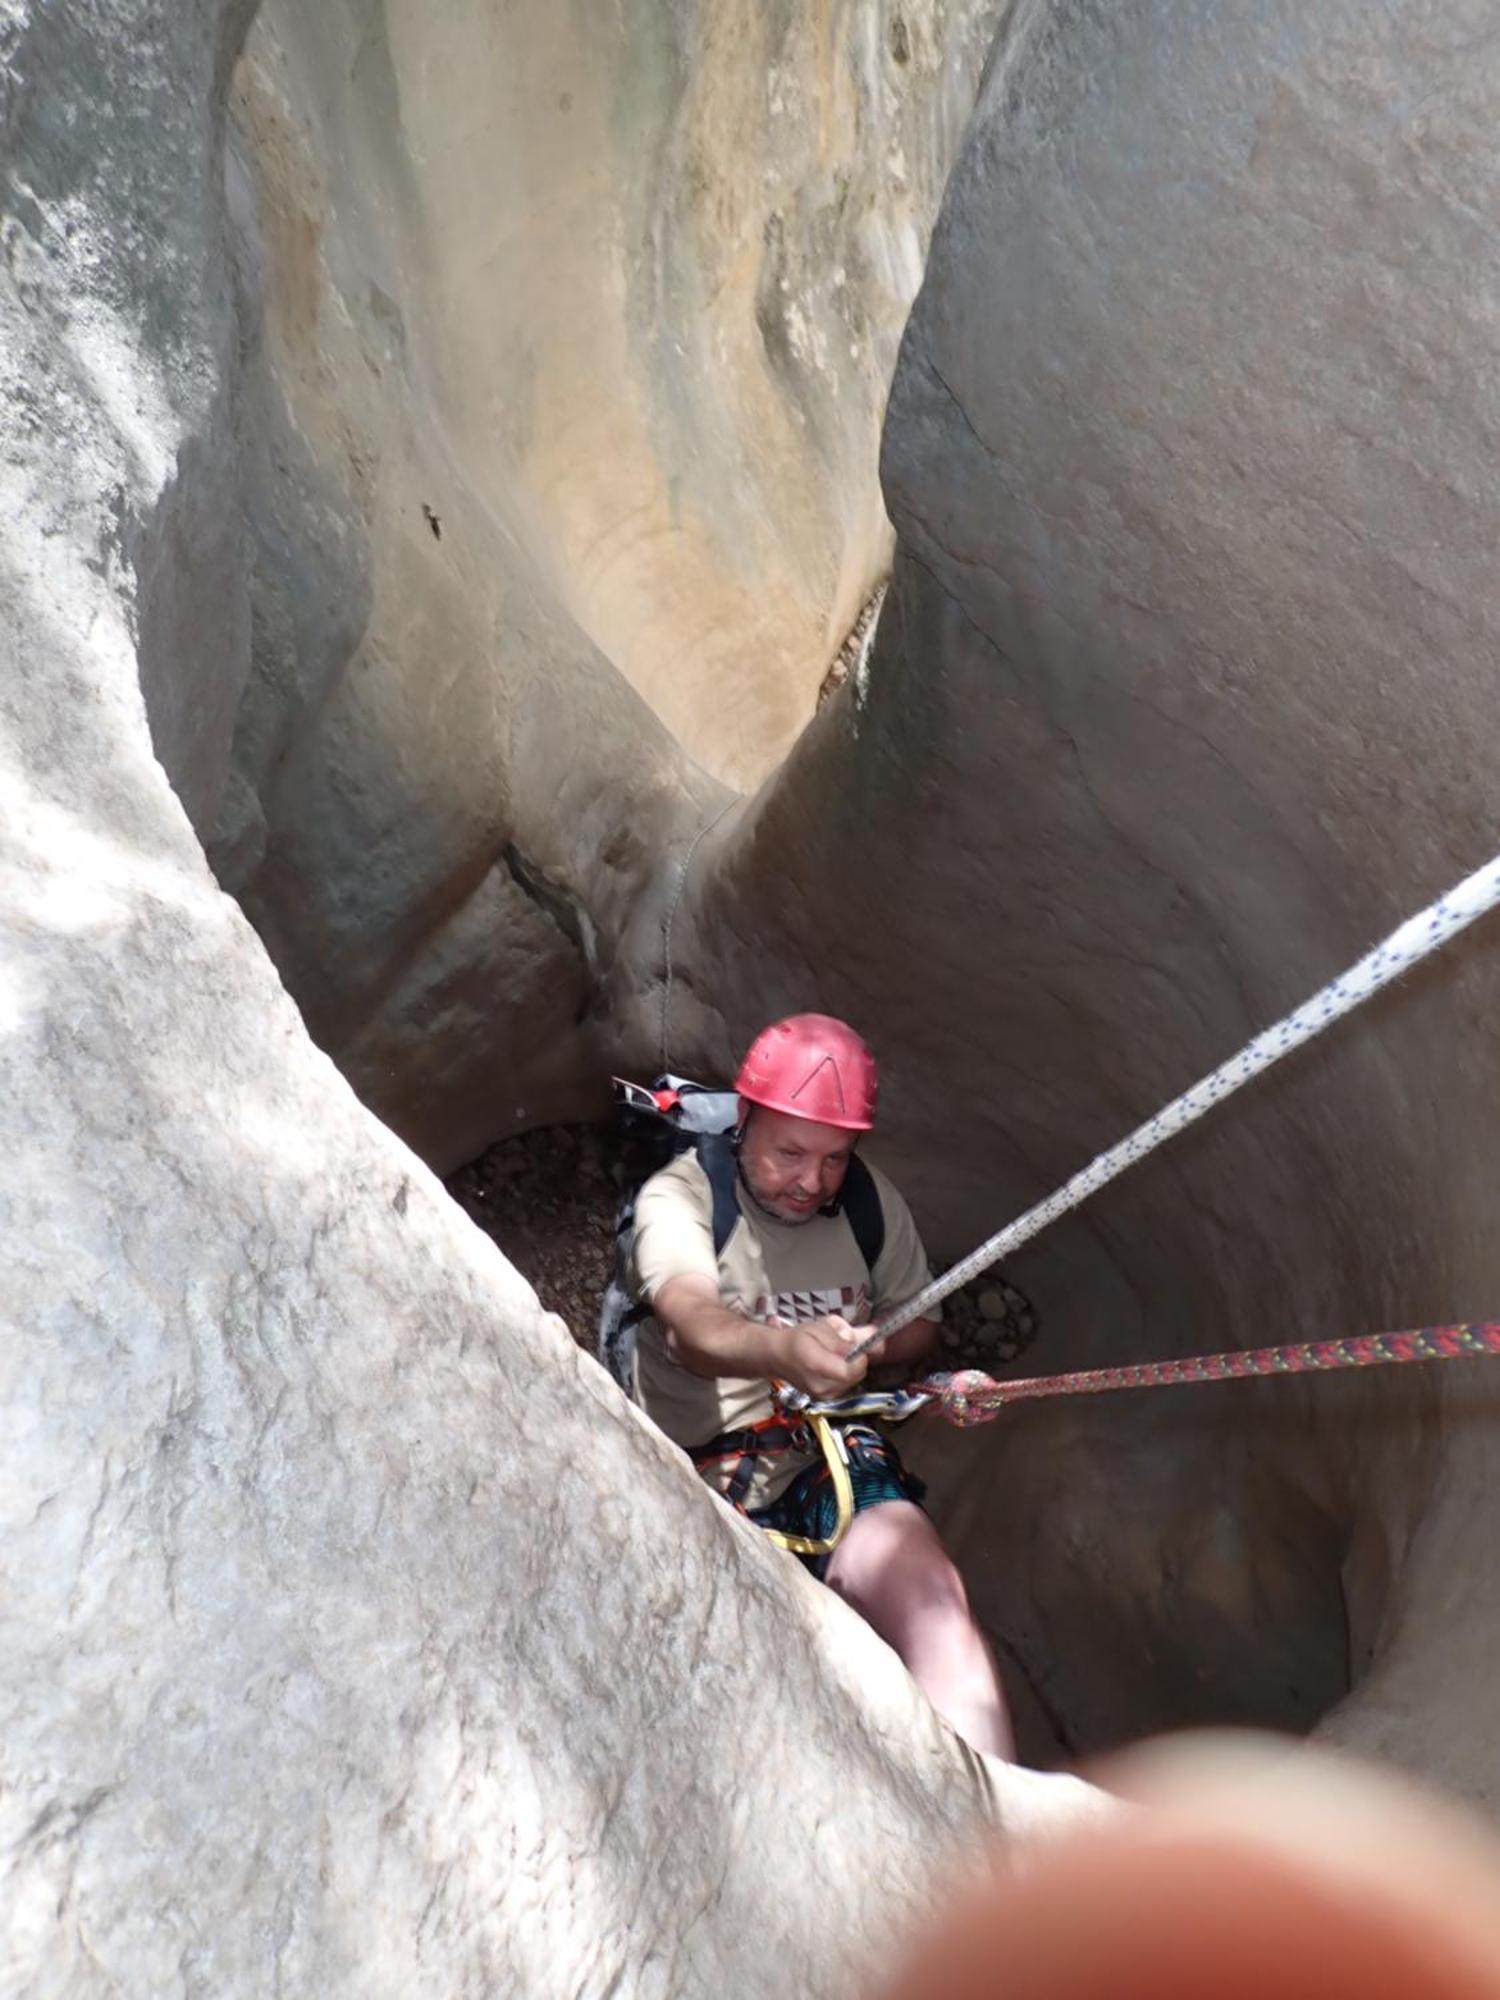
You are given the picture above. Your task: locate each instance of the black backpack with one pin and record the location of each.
(677, 1116)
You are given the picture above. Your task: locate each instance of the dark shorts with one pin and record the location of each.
(809, 1507)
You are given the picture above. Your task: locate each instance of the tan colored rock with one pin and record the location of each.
(665, 259)
(561, 334)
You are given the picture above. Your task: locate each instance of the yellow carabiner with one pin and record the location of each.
(836, 1455)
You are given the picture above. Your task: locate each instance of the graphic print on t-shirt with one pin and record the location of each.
(851, 1302)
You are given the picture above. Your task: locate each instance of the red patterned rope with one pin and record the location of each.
(971, 1397)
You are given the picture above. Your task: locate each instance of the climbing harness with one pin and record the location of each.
(836, 1458)
(1406, 946)
(768, 1439)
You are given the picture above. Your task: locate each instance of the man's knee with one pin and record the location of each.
(896, 1573)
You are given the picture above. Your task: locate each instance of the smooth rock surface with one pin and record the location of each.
(355, 1638)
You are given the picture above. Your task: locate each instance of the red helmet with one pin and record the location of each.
(813, 1067)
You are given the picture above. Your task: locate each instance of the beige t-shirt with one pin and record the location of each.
(769, 1270)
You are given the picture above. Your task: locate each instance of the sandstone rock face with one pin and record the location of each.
(1181, 698)
(354, 1637)
(564, 333)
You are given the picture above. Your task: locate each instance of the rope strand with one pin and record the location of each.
(671, 917)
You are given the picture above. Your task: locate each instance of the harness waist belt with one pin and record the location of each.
(755, 1441)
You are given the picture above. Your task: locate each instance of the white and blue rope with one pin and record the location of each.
(1413, 941)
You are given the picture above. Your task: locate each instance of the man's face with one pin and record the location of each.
(793, 1166)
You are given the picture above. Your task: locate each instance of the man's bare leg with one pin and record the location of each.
(893, 1569)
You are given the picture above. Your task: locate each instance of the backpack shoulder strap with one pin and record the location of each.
(715, 1152)
(860, 1200)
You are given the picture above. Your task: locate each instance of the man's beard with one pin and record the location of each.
(772, 1214)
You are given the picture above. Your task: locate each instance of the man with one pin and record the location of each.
(784, 1300)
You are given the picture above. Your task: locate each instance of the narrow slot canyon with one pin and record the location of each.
(542, 539)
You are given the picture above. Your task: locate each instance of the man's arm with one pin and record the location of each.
(708, 1338)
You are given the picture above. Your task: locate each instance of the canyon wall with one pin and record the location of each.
(367, 533)
(355, 1636)
(1182, 698)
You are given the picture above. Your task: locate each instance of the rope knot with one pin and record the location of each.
(969, 1396)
